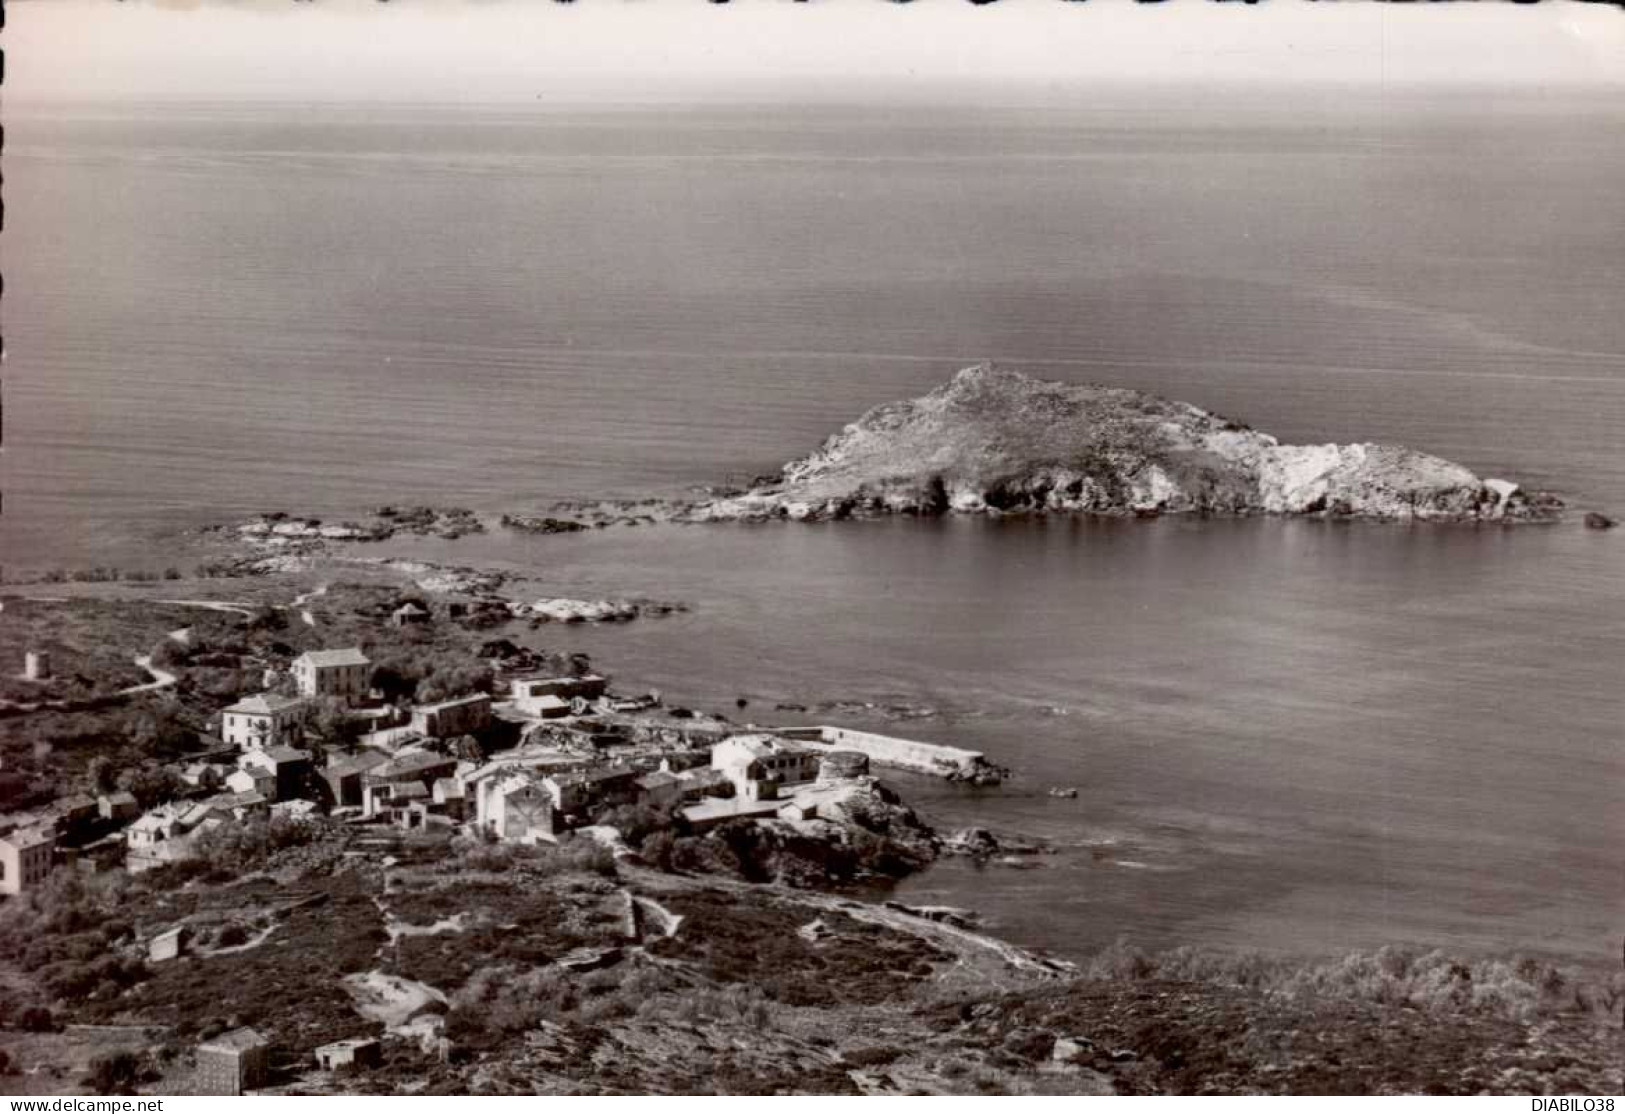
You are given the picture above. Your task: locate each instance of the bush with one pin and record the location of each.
(36, 1019)
(115, 1073)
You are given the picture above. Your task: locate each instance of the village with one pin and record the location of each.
(354, 838)
(530, 757)
(580, 749)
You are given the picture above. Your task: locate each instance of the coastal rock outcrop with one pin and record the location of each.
(560, 610)
(996, 441)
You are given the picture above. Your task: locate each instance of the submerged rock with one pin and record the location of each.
(972, 841)
(543, 525)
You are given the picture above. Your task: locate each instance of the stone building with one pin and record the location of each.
(120, 805)
(517, 807)
(463, 716)
(37, 665)
(759, 764)
(408, 614)
(346, 674)
(401, 778)
(543, 695)
(263, 720)
(354, 1052)
(168, 945)
(26, 859)
(289, 770)
(344, 777)
(233, 1063)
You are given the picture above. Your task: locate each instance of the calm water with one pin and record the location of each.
(1291, 735)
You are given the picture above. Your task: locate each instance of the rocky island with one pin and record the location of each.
(992, 441)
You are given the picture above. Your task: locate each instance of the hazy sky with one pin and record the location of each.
(640, 50)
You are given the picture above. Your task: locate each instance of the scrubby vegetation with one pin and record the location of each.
(533, 978)
(92, 645)
(1521, 989)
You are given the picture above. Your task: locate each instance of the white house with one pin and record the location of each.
(516, 807)
(544, 696)
(253, 779)
(758, 764)
(158, 826)
(343, 673)
(26, 858)
(261, 720)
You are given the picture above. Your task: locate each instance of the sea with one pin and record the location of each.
(1299, 737)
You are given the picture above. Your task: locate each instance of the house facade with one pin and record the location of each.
(168, 945)
(389, 787)
(758, 765)
(516, 807)
(539, 696)
(26, 859)
(344, 778)
(160, 825)
(580, 790)
(408, 614)
(346, 674)
(233, 1063)
(118, 806)
(263, 720)
(287, 768)
(463, 716)
(252, 780)
(356, 1052)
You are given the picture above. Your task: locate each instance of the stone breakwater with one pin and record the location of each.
(953, 763)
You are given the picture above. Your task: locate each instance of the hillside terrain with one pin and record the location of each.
(512, 970)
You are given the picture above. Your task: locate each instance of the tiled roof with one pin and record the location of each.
(238, 1040)
(358, 763)
(28, 837)
(598, 774)
(472, 698)
(351, 656)
(411, 765)
(265, 704)
(285, 754)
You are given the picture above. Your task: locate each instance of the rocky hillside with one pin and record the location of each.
(991, 441)
(504, 969)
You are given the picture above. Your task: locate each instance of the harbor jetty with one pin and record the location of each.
(953, 763)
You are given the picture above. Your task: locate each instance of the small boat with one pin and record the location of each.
(1069, 793)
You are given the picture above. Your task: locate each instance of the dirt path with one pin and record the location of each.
(161, 678)
(213, 605)
(303, 598)
(983, 958)
(961, 941)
